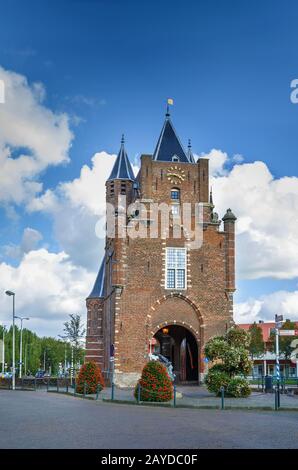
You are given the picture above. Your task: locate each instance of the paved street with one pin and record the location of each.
(40, 420)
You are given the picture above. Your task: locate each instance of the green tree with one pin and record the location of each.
(256, 344)
(74, 332)
(36, 350)
(231, 356)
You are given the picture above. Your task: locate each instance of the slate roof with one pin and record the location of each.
(122, 169)
(98, 288)
(169, 145)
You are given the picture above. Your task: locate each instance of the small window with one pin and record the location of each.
(176, 268)
(175, 194)
(123, 187)
(175, 158)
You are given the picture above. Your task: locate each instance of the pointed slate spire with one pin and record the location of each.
(189, 153)
(98, 288)
(122, 169)
(169, 147)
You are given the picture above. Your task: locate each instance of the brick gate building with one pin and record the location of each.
(161, 294)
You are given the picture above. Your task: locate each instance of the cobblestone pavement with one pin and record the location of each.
(40, 420)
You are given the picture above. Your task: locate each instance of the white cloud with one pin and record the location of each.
(32, 137)
(217, 161)
(267, 225)
(265, 307)
(48, 288)
(30, 240)
(75, 207)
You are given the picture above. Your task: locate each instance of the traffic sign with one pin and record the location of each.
(288, 332)
(278, 318)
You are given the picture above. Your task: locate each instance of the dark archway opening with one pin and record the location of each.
(180, 347)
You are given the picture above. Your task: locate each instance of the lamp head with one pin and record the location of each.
(9, 292)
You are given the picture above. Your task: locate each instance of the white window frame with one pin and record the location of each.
(176, 268)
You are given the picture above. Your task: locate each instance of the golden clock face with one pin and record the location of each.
(175, 174)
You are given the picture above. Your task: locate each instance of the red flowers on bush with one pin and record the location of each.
(90, 374)
(155, 383)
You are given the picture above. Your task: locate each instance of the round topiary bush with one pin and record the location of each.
(215, 379)
(90, 374)
(231, 356)
(238, 387)
(155, 383)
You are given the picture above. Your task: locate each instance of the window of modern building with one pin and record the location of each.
(176, 268)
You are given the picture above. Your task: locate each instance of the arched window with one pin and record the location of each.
(175, 194)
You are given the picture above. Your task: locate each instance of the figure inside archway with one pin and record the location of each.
(179, 346)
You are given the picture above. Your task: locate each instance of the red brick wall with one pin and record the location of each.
(138, 302)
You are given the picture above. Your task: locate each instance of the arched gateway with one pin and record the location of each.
(164, 287)
(178, 344)
(177, 332)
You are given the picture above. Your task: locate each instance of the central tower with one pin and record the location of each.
(161, 294)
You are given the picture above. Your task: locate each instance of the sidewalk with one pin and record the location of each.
(196, 396)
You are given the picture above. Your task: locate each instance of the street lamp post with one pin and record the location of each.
(65, 360)
(21, 345)
(12, 294)
(45, 359)
(26, 353)
(3, 351)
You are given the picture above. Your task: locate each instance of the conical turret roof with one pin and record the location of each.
(122, 168)
(169, 146)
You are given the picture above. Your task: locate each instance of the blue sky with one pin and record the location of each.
(110, 65)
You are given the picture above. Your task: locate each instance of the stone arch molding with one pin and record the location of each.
(187, 326)
(155, 324)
